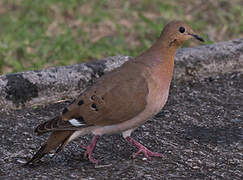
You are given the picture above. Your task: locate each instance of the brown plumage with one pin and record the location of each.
(121, 100)
(56, 139)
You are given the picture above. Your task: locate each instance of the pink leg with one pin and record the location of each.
(90, 148)
(142, 149)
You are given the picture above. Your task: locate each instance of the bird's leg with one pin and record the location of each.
(142, 149)
(90, 148)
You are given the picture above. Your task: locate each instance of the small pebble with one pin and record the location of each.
(236, 120)
(21, 161)
(51, 155)
(103, 166)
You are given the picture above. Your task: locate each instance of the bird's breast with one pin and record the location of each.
(158, 94)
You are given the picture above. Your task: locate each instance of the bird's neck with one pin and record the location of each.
(160, 58)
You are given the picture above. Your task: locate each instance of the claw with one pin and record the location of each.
(142, 149)
(89, 150)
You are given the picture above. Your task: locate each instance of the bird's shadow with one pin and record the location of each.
(214, 135)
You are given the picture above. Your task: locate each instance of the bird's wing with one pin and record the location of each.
(116, 97)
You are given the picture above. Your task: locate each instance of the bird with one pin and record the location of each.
(121, 100)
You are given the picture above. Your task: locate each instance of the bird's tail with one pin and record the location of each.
(57, 124)
(56, 139)
(48, 125)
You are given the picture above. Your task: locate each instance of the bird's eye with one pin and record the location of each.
(182, 29)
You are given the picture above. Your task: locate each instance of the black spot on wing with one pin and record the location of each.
(92, 97)
(94, 107)
(80, 102)
(80, 119)
(64, 110)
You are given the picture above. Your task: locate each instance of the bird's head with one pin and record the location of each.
(177, 32)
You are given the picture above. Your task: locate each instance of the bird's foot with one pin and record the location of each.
(89, 150)
(142, 149)
(147, 153)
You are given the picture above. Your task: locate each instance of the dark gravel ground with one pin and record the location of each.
(199, 131)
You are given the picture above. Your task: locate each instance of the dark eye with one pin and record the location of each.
(182, 29)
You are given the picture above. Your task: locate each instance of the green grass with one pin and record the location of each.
(36, 34)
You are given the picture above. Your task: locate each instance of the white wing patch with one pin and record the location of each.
(75, 122)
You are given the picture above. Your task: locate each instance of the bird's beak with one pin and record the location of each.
(197, 37)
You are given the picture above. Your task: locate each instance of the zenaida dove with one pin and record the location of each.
(121, 100)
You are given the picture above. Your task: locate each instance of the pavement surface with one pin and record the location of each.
(199, 131)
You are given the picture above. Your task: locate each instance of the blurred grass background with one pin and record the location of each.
(36, 34)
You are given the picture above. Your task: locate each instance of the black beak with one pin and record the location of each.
(197, 37)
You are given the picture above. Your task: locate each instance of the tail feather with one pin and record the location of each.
(48, 125)
(64, 143)
(57, 138)
(57, 124)
(37, 155)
